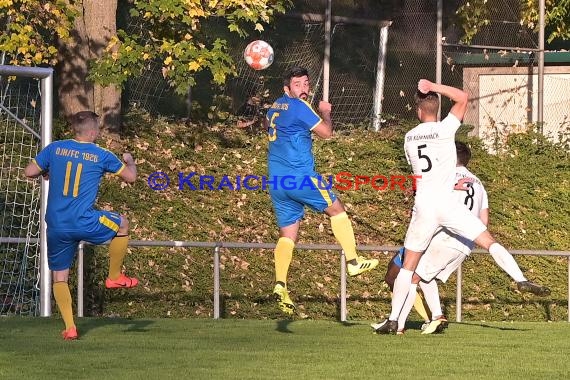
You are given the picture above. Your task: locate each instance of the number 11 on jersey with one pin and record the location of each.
(75, 180)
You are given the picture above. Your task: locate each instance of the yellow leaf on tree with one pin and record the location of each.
(62, 32)
(112, 42)
(193, 66)
(168, 60)
(196, 12)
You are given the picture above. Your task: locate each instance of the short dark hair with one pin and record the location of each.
(428, 103)
(294, 72)
(84, 120)
(463, 153)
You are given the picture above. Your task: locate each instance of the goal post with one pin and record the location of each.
(351, 79)
(18, 114)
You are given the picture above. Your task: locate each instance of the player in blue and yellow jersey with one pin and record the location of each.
(295, 184)
(75, 168)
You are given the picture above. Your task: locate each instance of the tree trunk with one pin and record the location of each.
(93, 29)
(101, 25)
(75, 92)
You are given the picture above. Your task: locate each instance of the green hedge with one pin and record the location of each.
(528, 186)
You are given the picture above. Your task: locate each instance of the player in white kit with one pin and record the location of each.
(447, 251)
(430, 149)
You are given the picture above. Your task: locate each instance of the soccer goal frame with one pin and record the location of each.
(45, 76)
(383, 25)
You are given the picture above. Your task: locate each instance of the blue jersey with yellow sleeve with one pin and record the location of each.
(75, 171)
(290, 144)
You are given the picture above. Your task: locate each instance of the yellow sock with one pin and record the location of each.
(283, 254)
(420, 306)
(342, 230)
(62, 297)
(117, 252)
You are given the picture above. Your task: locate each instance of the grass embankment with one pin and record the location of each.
(528, 186)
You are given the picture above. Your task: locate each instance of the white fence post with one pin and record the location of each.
(458, 294)
(80, 279)
(342, 287)
(217, 282)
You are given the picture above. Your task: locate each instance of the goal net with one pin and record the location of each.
(297, 41)
(23, 110)
(352, 77)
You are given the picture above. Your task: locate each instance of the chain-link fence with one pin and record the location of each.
(499, 71)
(352, 70)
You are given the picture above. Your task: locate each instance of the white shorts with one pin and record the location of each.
(427, 216)
(442, 257)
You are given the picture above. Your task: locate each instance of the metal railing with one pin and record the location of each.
(215, 246)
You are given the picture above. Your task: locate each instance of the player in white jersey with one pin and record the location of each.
(447, 251)
(430, 149)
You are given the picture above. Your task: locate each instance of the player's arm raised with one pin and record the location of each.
(458, 96)
(325, 128)
(129, 173)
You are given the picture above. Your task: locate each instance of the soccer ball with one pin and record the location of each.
(258, 55)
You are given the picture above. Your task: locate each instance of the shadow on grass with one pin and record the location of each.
(283, 326)
(131, 325)
(486, 326)
(351, 324)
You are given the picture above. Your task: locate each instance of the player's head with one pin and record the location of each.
(296, 82)
(463, 153)
(85, 125)
(427, 105)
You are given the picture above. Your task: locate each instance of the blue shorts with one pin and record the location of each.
(399, 257)
(290, 198)
(62, 245)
